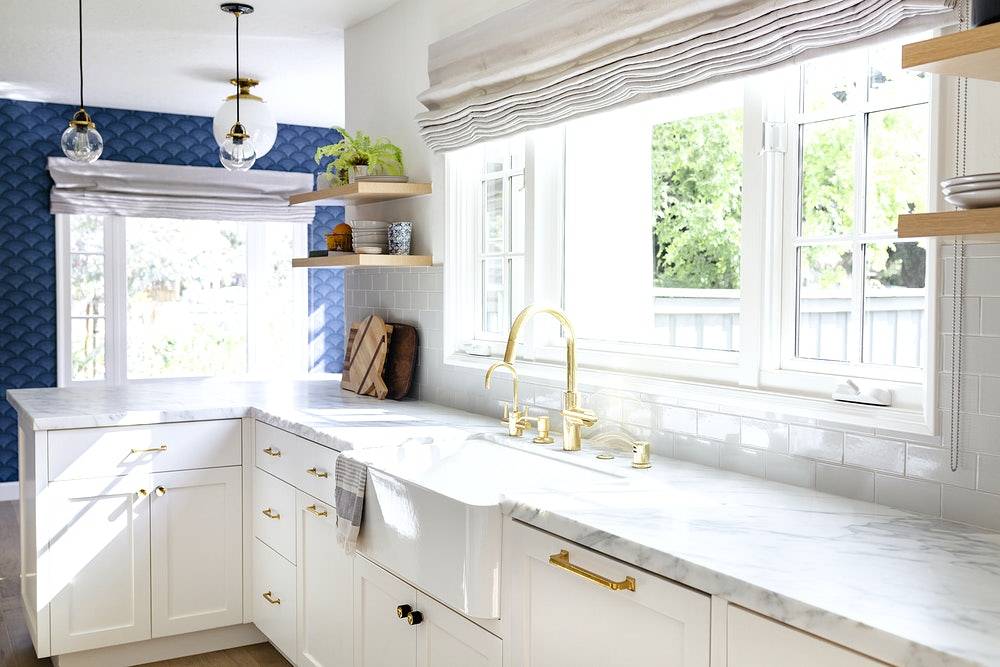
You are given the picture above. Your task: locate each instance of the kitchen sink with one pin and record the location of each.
(432, 511)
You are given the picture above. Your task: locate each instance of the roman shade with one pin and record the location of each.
(132, 189)
(547, 61)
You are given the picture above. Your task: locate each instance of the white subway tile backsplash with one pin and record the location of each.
(980, 277)
(696, 450)
(933, 463)
(763, 434)
(789, 469)
(742, 459)
(677, 419)
(988, 478)
(990, 318)
(979, 433)
(875, 453)
(971, 314)
(967, 506)
(970, 391)
(719, 426)
(847, 482)
(989, 395)
(816, 443)
(908, 494)
(638, 413)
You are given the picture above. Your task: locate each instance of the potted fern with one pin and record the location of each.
(359, 155)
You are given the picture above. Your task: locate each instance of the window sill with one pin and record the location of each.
(743, 401)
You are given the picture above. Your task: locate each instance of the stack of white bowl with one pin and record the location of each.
(370, 234)
(976, 191)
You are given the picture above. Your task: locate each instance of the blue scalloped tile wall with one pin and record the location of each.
(29, 133)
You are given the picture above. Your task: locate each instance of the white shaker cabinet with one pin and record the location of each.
(98, 565)
(325, 588)
(397, 625)
(196, 550)
(562, 611)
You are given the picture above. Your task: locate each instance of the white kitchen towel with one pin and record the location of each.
(351, 476)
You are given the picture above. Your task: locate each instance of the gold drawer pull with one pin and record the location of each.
(161, 490)
(150, 450)
(271, 451)
(317, 512)
(318, 473)
(271, 514)
(561, 559)
(270, 598)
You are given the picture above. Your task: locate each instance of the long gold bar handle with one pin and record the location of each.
(270, 598)
(271, 514)
(271, 451)
(561, 559)
(317, 512)
(317, 473)
(149, 450)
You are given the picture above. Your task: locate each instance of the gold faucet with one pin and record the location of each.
(574, 416)
(514, 419)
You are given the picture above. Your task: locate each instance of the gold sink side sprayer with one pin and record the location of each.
(575, 418)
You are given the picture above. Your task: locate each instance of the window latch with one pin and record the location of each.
(775, 138)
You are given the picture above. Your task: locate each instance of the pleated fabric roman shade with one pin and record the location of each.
(548, 61)
(132, 189)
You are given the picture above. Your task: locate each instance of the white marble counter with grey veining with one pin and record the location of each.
(906, 589)
(316, 409)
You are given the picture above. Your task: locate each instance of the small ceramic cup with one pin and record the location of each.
(400, 235)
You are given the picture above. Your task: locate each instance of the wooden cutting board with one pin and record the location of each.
(366, 356)
(401, 360)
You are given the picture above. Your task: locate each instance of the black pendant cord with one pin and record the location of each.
(237, 67)
(81, 51)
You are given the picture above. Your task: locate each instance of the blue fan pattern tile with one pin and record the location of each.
(29, 133)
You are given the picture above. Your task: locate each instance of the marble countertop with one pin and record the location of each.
(906, 589)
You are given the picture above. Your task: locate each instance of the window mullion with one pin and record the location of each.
(116, 301)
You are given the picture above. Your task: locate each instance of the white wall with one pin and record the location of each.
(386, 68)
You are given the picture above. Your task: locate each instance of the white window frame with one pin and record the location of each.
(758, 374)
(116, 316)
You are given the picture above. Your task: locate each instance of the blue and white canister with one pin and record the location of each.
(400, 235)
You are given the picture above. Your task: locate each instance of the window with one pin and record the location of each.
(157, 298)
(859, 131)
(740, 234)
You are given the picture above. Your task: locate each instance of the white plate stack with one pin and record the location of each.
(370, 234)
(976, 191)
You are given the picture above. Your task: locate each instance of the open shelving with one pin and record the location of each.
(950, 223)
(971, 53)
(347, 261)
(360, 193)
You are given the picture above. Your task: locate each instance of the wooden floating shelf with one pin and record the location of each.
(347, 261)
(950, 223)
(971, 53)
(363, 192)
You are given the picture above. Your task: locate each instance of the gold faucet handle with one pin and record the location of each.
(581, 416)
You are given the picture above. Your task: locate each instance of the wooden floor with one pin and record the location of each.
(15, 644)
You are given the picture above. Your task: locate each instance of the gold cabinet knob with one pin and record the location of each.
(318, 512)
(271, 514)
(161, 490)
(414, 618)
(271, 451)
(403, 610)
(315, 472)
(142, 493)
(270, 598)
(149, 450)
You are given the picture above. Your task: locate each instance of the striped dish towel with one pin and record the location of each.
(351, 476)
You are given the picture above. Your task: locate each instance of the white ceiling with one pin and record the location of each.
(177, 56)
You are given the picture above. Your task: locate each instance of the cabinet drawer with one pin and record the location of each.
(119, 450)
(274, 513)
(315, 473)
(274, 598)
(277, 451)
(755, 641)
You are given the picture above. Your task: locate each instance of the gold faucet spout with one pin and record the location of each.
(513, 372)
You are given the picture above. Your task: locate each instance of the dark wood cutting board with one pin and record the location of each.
(401, 359)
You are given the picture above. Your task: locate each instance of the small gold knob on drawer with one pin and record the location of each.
(271, 514)
(142, 493)
(161, 490)
(149, 450)
(315, 472)
(403, 610)
(318, 512)
(270, 598)
(271, 451)
(414, 618)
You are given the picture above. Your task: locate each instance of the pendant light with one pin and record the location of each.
(81, 142)
(255, 116)
(237, 152)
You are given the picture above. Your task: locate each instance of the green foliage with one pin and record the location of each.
(380, 155)
(697, 201)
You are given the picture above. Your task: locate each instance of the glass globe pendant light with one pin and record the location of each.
(237, 152)
(254, 116)
(81, 142)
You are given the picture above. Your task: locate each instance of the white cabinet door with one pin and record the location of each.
(381, 637)
(447, 639)
(197, 550)
(97, 566)
(325, 588)
(755, 641)
(559, 617)
(274, 604)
